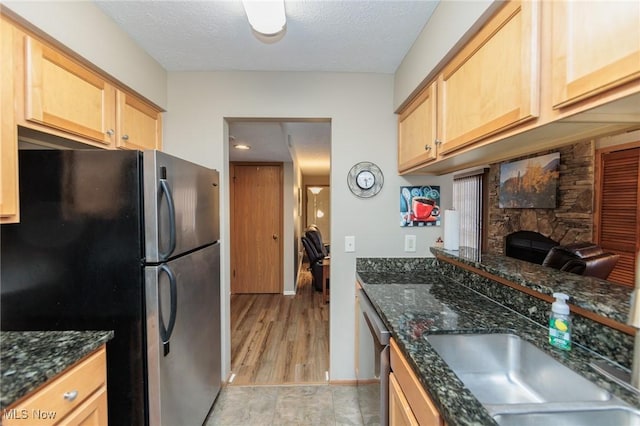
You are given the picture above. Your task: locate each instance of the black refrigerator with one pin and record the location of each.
(125, 241)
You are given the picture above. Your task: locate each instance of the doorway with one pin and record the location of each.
(277, 337)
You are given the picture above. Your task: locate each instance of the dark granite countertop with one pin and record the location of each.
(414, 304)
(30, 358)
(601, 297)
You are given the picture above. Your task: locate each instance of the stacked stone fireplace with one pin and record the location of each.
(569, 222)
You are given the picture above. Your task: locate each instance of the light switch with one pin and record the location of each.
(349, 244)
(410, 243)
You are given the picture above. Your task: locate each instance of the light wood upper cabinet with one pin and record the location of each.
(493, 83)
(596, 47)
(62, 94)
(417, 131)
(139, 124)
(8, 129)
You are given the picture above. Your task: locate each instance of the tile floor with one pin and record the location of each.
(287, 405)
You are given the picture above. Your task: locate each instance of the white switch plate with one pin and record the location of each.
(410, 243)
(349, 244)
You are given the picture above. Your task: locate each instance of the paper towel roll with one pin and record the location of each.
(451, 230)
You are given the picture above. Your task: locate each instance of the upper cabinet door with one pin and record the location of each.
(493, 83)
(64, 95)
(139, 124)
(596, 47)
(417, 131)
(9, 203)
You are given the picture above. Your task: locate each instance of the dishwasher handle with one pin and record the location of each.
(378, 329)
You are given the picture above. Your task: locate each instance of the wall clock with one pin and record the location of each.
(365, 179)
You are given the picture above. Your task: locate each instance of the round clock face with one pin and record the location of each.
(365, 179)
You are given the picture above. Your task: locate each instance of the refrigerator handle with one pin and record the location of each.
(165, 189)
(165, 331)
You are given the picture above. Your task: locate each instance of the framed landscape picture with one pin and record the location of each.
(531, 183)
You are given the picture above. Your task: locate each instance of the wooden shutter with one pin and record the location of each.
(618, 211)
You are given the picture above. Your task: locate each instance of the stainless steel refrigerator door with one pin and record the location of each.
(181, 206)
(184, 364)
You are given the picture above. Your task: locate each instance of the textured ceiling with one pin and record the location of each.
(321, 35)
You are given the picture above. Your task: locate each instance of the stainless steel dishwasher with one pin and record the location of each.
(372, 362)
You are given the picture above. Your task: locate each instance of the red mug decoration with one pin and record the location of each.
(425, 209)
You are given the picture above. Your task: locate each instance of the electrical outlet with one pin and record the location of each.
(410, 243)
(349, 244)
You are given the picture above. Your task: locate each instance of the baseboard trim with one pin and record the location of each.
(343, 382)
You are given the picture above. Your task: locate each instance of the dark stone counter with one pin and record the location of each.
(414, 299)
(30, 358)
(601, 297)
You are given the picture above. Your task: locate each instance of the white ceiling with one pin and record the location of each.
(321, 35)
(309, 142)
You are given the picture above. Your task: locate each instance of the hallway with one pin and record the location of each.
(277, 339)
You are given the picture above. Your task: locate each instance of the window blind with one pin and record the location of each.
(467, 200)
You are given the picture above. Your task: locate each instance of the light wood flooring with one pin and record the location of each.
(277, 339)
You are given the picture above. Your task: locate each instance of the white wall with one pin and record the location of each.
(450, 21)
(84, 28)
(289, 208)
(363, 127)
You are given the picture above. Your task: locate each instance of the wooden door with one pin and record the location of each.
(493, 83)
(256, 228)
(618, 210)
(139, 124)
(417, 131)
(64, 95)
(596, 47)
(8, 129)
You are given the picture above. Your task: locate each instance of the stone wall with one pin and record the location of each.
(570, 222)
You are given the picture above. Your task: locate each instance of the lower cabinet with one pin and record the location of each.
(77, 396)
(409, 403)
(400, 413)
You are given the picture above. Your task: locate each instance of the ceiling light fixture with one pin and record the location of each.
(266, 17)
(242, 146)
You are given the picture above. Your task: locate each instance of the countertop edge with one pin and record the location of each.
(25, 366)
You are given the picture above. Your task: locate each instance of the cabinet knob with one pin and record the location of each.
(70, 396)
(110, 132)
(125, 137)
(274, 236)
(438, 142)
(427, 147)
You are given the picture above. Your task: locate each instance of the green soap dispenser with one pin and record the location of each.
(560, 323)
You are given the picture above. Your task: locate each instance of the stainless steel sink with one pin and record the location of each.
(519, 384)
(618, 416)
(505, 369)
